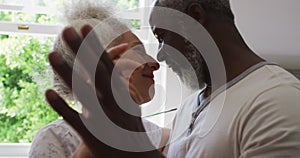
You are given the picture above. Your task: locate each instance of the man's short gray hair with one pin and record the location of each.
(221, 7)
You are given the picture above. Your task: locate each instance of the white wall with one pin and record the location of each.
(271, 28)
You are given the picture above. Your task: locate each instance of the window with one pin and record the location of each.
(23, 61)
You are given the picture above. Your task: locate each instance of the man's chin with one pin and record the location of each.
(189, 79)
(178, 71)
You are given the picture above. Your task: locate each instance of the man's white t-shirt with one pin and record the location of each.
(258, 116)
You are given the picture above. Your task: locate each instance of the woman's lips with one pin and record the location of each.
(149, 75)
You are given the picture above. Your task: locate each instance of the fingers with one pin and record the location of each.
(88, 62)
(127, 66)
(63, 109)
(116, 52)
(93, 50)
(72, 39)
(61, 67)
(71, 116)
(91, 41)
(83, 88)
(88, 53)
(85, 85)
(66, 73)
(85, 30)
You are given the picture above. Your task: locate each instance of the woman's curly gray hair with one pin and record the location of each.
(106, 26)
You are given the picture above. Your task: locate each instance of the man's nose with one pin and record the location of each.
(160, 56)
(153, 65)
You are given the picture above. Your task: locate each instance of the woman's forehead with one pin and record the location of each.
(130, 38)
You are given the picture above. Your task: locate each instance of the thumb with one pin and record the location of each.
(116, 51)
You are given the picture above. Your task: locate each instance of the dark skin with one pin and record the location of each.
(236, 55)
(105, 97)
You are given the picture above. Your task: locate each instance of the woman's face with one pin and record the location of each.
(137, 68)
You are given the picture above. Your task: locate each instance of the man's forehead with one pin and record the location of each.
(156, 16)
(165, 17)
(154, 19)
(155, 3)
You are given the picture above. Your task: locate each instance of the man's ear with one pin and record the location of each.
(196, 11)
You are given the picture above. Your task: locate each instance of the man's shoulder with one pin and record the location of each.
(281, 96)
(275, 95)
(269, 89)
(264, 79)
(274, 74)
(280, 73)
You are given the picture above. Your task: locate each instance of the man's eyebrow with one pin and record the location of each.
(153, 28)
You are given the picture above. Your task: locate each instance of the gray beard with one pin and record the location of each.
(187, 74)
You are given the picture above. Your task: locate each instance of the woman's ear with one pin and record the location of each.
(196, 11)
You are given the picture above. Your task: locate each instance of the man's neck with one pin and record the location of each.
(233, 70)
(237, 56)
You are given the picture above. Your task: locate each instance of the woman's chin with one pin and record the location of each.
(151, 92)
(147, 96)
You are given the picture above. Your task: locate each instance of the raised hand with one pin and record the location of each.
(112, 125)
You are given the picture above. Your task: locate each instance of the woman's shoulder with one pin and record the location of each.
(59, 129)
(57, 139)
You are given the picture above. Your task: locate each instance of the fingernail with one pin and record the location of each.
(55, 58)
(70, 34)
(51, 94)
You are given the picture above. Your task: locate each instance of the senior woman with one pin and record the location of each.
(59, 139)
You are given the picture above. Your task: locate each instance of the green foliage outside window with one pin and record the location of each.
(24, 77)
